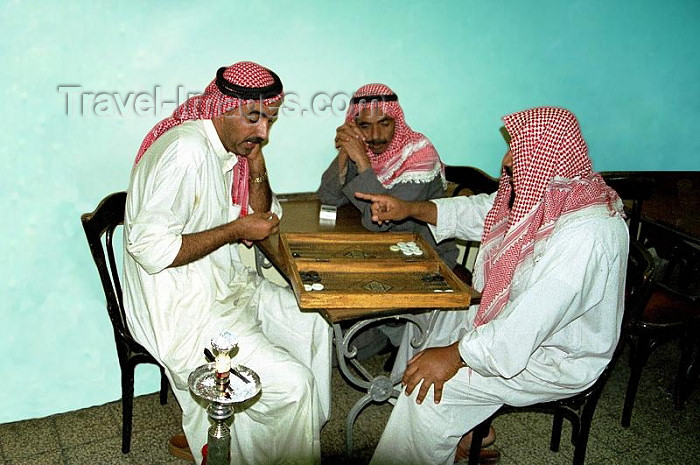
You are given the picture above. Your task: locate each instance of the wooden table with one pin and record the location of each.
(301, 215)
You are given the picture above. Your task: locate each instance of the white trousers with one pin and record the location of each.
(428, 434)
(291, 353)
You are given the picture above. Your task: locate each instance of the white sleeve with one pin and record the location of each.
(162, 201)
(568, 280)
(461, 217)
(275, 206)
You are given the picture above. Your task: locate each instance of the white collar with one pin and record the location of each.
(228, 159)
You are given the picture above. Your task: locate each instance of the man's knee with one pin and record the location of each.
(300, 382)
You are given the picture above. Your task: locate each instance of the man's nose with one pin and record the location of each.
(262, 129)
(508, 159)
(374, 132)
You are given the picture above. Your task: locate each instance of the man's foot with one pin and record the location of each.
(178, 447)
(466, 442)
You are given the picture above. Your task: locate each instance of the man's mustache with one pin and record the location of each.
(255, 140)
(376, 142)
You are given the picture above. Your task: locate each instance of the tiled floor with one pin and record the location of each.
(658, 434)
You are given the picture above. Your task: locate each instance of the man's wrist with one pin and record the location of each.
(259, 178)
(417, 209)
(362, 166)
(462, 363)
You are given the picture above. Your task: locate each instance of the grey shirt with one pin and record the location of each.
(333, 192)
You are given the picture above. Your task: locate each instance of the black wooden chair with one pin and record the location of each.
(467, 180)
(671, 313)
(633, 189)
(99, 228)
(579, 408)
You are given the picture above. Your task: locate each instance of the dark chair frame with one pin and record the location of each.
(470, 179)
(579, 408)
(100, 226)
(682, 323)
(633, 188)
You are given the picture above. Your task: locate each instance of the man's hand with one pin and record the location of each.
(350, 143)
(260, 193)
(434, 367)
(257, 226)
(256, 160)
(254, 227)
(386, 208)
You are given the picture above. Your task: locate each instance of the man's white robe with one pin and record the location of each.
(553, 338)
(182, 185)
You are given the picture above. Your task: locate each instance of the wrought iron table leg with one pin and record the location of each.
(261, 261)
(379, 388)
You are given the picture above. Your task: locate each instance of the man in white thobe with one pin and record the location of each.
(551, 270)
(199, 186)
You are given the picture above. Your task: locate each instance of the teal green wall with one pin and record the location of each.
(626, 68)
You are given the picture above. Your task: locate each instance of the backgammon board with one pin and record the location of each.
(353, 274)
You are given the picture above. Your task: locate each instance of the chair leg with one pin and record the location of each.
(557, 424)
(694, 368)
(639, 355)
(687, 370)
(584, 430)
(480, 432)
(163, 387)
(693, 372)
(127, 405)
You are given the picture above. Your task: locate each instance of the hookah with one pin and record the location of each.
(213, 382)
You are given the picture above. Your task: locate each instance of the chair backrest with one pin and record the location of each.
(99, 229)
(468, 180)
(633, 188)
(639, 284)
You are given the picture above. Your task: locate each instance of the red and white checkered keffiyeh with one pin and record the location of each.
(552, 175)
(213, 103)
(410, 156)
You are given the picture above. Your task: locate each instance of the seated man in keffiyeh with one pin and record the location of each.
(379, 153)
(551, 269)
(198, 188)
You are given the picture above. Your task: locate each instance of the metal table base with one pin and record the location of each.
(378, 388)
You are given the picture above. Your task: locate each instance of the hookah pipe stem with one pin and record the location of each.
(210, 358)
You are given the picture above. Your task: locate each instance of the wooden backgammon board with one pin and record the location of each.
(347, 275)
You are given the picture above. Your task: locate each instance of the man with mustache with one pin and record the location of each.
(199, 186)
(380, 154)
(551, 270)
